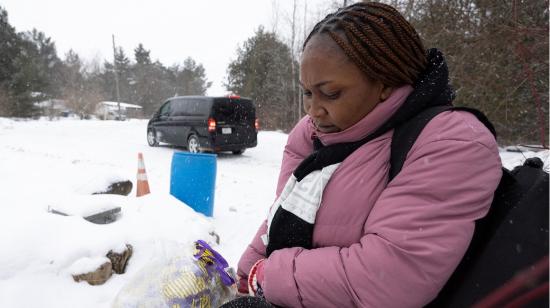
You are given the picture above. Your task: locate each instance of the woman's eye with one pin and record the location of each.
(333, 95)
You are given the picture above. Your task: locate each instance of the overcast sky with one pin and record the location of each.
(209, 31)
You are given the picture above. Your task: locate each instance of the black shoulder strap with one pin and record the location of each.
(480, 116)
(404, 136)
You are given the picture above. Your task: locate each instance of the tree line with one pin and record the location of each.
(31, 71)
(497, 52)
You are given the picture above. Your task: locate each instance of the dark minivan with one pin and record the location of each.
(205, 124)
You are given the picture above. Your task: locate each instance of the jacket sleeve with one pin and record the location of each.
(413, 239)
(298, 147)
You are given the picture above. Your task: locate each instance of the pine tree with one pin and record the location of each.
(9, 42)
(37, 67)
(190, 79)
(123, 73)
(142, 55)
(48, 61)
(9, 48)
(107, 79)
(162, 86)
(144, 81)
(26, 69)
(122, 65)
(262, 71)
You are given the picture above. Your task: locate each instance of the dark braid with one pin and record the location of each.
(375, 62)
(372, 39)
(377, 38)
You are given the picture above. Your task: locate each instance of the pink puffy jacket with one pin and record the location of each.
(380, 244)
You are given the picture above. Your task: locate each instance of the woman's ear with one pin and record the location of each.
(385, 93)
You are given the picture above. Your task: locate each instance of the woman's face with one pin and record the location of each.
(337, 94)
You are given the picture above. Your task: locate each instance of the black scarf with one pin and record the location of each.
(431, 89)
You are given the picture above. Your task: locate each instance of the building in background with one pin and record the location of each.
(109, 111)
(54, 108)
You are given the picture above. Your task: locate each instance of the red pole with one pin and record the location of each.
(529, 73)
(523, 300)
(523, 280)
(521, 52)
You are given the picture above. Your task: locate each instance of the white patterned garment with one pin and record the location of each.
(303, 198)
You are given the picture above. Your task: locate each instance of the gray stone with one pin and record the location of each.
(123, 188)
(105, 217)
(97, 277)
(120, 260)
(102, 218)
(216, 236)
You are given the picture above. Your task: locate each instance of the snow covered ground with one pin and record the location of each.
(58, 164)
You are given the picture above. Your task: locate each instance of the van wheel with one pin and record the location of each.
(193, 144)
(239, 152)
(151, 138)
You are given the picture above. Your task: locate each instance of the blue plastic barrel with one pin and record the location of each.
(193, 180)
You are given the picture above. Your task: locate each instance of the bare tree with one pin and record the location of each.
(293, 26)
(275, 11)
(305, 34)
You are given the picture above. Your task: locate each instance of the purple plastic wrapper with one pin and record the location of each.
(200, 280)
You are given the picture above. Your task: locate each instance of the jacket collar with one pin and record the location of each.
(370, 122)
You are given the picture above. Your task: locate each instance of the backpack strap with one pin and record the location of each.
(480, 116)
(405, 135)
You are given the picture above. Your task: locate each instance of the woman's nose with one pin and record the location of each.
(314, 109)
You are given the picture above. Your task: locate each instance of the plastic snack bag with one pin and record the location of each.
(201, 280)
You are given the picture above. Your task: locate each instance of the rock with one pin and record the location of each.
(215, 236)
(118, 188)
(104, 217)
(120, 260)
(97, 277)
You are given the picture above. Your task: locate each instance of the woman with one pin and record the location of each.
(340, 234)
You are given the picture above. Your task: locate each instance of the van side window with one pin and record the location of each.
(199, 107)
(179, 108)
(165, 110)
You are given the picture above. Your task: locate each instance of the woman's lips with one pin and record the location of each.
(327, 128)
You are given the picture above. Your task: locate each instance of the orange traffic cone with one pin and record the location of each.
(142, 183)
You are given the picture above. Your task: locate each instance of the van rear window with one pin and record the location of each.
(234, 110)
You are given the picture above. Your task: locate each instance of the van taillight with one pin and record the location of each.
(257, 124)
(211, 125)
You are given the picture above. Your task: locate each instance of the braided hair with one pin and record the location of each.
(378, 39)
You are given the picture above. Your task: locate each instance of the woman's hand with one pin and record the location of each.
(255, 279)
(242, 286)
